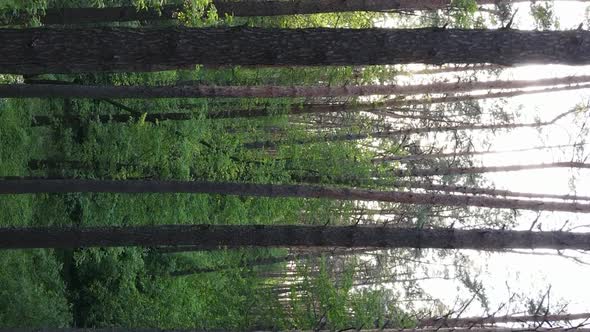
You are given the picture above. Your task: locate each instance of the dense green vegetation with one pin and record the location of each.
(229, 288)
(134, 287)
(131, 287)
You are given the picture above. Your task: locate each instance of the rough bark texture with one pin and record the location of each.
(474, 321)
(385, 183)
(482, 96)
(124, 329)
(37, 186)
(467, 153)
(207, 236)
(487, 191)
(486, 169)
(268, 91)
(453, 69)
(60, 50)
(241, 8)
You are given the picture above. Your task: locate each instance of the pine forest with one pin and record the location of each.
(294, 165)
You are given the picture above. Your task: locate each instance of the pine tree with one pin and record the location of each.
(60, 50)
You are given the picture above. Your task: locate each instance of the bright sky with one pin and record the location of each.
(568, 280)
(504, 274)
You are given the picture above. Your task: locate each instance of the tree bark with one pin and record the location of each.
(60, 50)
(487, 191)
(267, 91)
(483, 96)
(273, 144)
(207, 236)
(37, 186)
(125, 329)
(414, 157)
(45, 120)
(475, 321)
(453, 69)
(486, 169)
(355, 181)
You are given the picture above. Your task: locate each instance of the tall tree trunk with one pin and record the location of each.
(487, 191)
(61, 50)
(267, 91)
(207, 236)
(485, 169)
(329, 108)
(424, 156)
(242, 8)
(300, 253)
(453, 69)
(355, 181)
(483, 96)
(393, 133)
(45, 120)
(475, 321)
(473, 329)
(37, 186)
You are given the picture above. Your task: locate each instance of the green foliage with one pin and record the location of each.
(329, 301)
(123, 286)
(32, 290)
(132, 287)
(31, 10)
(15, 146)
(199, 13)
(544, 16)
(463, 12)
